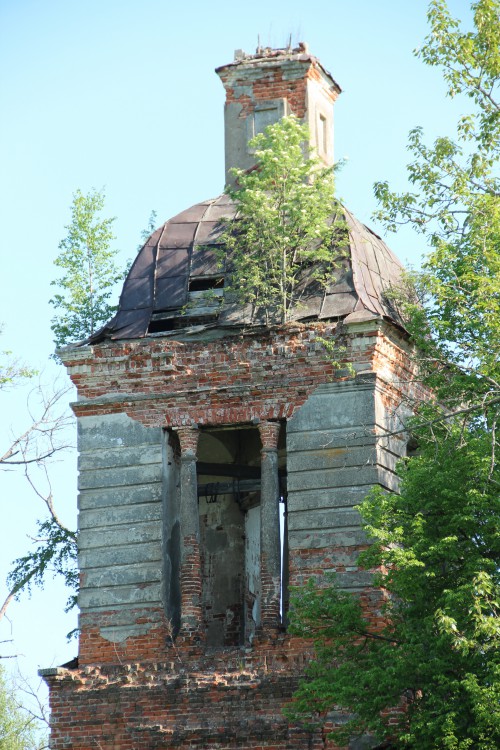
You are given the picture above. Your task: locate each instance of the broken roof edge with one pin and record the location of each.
(372, 284)
(76, 354)
(271, 55)
(373, 267)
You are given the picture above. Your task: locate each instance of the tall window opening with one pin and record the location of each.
(229, 471)
(228, 491)
(231, 512)
(322, 135)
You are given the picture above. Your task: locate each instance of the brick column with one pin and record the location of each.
(190, 568)
(270, 553)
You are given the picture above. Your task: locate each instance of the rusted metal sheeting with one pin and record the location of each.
(184, 249)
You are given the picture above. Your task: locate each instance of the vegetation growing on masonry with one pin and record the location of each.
(288, 228)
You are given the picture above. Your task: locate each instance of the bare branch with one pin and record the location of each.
(47, 498)
(446, 416)
(45, 435)
(40, 712)
(12, 593)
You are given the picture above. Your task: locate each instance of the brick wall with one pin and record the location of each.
(167, 383)
(146, 691)
(225, 701)
(270, 84)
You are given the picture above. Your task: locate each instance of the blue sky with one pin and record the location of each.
(122, 95)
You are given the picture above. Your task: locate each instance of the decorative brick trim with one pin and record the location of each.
(269, 435)
(188, 439)
(234, 380)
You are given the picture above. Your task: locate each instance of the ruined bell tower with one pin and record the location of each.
(220, 463)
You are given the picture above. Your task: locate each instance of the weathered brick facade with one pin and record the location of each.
(231, 697)
(191, 438)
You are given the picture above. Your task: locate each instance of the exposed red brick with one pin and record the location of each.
(149, 692)
(269, 434)
(188, 439)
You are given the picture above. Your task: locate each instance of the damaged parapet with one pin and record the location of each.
(273, 83)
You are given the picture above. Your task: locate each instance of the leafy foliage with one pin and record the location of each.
(427, 674)
(287, 220)
(89, 272)
(17, 727)
(456, 318)
(11, 370)
(32, 451)
(56, 551)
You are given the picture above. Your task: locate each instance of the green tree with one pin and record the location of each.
(83, 305)
(12, 371)
(54, 552)
(18, 728)
(429, 677)
(89, 273)
(455, 203)
(283, 239)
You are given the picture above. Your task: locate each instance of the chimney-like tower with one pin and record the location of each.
(273, 83)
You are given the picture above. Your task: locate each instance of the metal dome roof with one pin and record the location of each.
(163, 292)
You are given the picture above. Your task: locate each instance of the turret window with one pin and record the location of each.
(265, 113)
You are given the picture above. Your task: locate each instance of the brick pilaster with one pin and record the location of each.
(270, 551)
(190, 568)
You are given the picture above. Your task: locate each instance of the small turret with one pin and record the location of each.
(273, 83)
